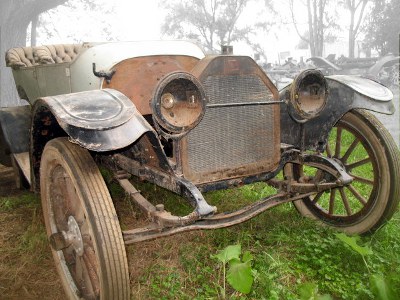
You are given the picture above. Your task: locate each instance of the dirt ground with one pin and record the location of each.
(26, 271)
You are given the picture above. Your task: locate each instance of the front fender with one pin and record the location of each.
(345, 93)
(98, 120)
(367, 94)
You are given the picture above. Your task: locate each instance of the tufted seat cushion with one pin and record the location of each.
(59, 53)
(20, 57)
(41, 55)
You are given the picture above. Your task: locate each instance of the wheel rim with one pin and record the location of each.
(350, 204)
(78, 260)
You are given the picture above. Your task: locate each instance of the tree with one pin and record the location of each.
(383, 27)
(15, 17)
(212, 22)
(82, 12)
(319, 21)
(356, 9)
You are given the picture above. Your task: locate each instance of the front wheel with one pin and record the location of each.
(78, 212)
(361, 144)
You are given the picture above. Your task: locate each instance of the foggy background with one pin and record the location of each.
(351, 36)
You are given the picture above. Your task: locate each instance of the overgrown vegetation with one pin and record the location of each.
(292, 257)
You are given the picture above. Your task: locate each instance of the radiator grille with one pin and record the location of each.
(233, 138)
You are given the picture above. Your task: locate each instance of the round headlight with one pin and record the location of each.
(308, 94)
(179, 102)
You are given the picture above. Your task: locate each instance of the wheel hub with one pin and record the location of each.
(65, 239)
(73, 236)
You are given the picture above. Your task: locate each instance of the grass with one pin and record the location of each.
(289, 251)
(26, 267)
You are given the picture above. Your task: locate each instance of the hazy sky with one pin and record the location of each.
(141, 20)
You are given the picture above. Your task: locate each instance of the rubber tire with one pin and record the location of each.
(101, 217)
(388, 192)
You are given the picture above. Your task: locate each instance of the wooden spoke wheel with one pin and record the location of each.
(82, 224)
(368, 153)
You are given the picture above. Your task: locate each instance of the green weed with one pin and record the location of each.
(239, 274)
(25, 200)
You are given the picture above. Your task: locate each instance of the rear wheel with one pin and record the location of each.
(361, 144)
(82, 224)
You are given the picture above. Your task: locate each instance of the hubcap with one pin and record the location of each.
(73, 236)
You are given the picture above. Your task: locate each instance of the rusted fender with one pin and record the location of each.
(344, 94)
(98, 120)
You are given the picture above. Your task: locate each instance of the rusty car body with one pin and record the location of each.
(166, 113)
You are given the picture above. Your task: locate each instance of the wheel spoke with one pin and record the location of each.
(328, 150)
(332, 201)
(317, 197)
(358, 163)
(79, 271)
(319, 176)
(90, 262)
(350, 149)
(362, 179)
(345, 201)
(338, 142)
(83, 278)
(356, 194)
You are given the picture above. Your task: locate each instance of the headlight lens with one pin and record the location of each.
(179, 102)
(308, 94)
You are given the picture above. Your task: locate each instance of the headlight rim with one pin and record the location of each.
(163, 124)
(296, 111)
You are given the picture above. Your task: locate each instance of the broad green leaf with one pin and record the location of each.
(352, 242)
(240, 276)
(229, 253)
(247, 256)
(309, 291)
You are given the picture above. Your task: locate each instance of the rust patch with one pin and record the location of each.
(137, 77)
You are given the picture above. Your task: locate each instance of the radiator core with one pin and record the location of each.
(233, 141)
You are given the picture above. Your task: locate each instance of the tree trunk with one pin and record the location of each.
(354, 27)
(320, 28)
(352, 42)
(351, 5)
(311, 28)
(34, 30)
(15, 17)
(12, 34)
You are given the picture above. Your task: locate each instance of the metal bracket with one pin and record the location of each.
(106, 75)
(166, 180)
(327, 164)
(157, 214)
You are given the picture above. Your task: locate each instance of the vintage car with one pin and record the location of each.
(168, 114)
